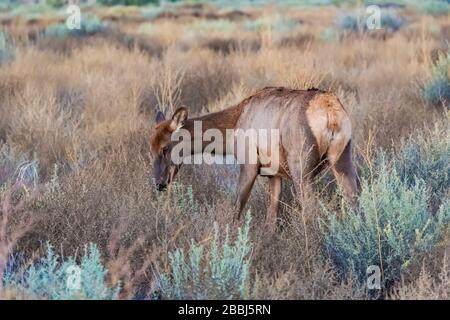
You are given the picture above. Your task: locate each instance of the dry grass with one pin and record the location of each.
(83, 107)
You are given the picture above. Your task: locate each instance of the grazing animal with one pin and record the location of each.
(314, 130)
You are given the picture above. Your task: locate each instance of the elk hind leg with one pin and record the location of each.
(344, 169)
(247, 177)
(272, 213)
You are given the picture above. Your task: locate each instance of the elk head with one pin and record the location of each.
(164, 169)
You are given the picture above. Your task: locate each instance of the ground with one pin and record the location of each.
(76, 109)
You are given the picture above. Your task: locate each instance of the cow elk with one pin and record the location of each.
(314, 131)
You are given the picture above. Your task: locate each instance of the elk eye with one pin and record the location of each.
(165, 149)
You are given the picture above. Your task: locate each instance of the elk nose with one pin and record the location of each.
(161, 187)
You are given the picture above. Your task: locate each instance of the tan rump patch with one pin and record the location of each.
(329, 123)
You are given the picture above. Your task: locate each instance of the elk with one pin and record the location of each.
(314, 131)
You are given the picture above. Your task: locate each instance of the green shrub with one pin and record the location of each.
(56, 3)
(438, 89)
(434, 7)
(220, 273)
(128, 2)
(328, 34)
(151, 12)
(35, 11)
(185, 198)
(349, 22)
(427, 158)
(276, 23)
(90, 24)
(59, 30)
(389, 19)
(5, 6)
(180, 199)
(52, 278)
(219, 25)
(390, 228)
(7, 49)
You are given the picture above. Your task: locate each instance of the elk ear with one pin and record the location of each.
(160, 117)
(178, 118)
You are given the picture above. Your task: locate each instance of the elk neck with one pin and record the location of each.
(221, 121)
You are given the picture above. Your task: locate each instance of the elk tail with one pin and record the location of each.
(330, 125)
(339, 131)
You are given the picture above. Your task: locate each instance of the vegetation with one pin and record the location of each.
(51, 278)
(7, 49)
(221, 273)
(437, 91)
(426, 159)
(392, 228)
(434, 7)
(389, 21)
(90, 24)
(127, 2)
(76, 112)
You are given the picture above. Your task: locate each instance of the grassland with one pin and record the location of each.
(76, 109)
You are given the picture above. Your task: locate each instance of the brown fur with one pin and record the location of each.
(161, 134)
(313, 127)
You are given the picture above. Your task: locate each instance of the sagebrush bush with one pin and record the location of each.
(434, 7)
(53, 277)
(5, 6)
(426, 158)
(275, 23)
(34, 11)
(389, 20)
(349, 22)
(56, 3)
(127, 2)
(185, 198)
(7, 49)
(391, 227)
(221, 25)
(90, 24)
(222, 272)
(438, 89)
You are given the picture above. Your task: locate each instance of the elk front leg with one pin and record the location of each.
(272, 213)
(247, 176)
